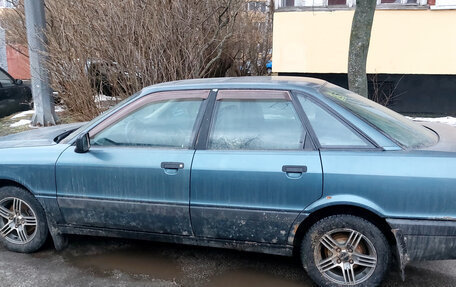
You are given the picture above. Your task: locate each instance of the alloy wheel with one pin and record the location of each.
(18, 221)
(345, 256)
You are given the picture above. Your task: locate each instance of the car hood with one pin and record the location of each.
(447, 137)
(36, 137)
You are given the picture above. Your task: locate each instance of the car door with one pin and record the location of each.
(136, 174)
(255, 171)
(7, 102)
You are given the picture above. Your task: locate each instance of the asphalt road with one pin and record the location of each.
(90, 261)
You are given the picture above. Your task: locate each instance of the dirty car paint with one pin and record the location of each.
(237, 199)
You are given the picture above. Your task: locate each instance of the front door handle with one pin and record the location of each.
(294, 168)
(172, 165)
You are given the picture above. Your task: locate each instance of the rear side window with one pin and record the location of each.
(256, 125)
(329, 130)
(404, 131)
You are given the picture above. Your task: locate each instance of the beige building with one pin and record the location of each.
(412, 54)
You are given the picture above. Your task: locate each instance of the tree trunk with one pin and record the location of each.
(359, 46)
(41, 91)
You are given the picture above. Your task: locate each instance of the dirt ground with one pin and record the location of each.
(91, 261)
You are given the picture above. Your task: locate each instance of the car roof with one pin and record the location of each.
(273, 82)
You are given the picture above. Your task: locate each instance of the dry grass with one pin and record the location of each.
(6, 122)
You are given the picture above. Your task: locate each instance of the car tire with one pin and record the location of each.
(345, 250)
(23, 226)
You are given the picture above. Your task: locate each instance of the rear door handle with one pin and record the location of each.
(294, 168)
(172, 165)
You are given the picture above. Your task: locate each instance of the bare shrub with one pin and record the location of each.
(118, 47)
(253, 43)
(384, 91)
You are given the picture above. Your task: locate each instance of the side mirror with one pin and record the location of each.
(18, 82)
(82, 143)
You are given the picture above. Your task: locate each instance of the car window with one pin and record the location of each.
(5, 80)
(329, 130)
(397, 127)
(159, 124)
(256, 125)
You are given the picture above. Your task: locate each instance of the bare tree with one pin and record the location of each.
(359, 46)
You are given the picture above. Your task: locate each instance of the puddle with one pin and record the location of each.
(248, 278)
(183, 265)
(131, 261)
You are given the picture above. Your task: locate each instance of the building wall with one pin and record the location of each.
(18, 63)
(424, 95)
(411, 41)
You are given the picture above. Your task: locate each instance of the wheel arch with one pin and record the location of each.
(10, 182)
(348, 209)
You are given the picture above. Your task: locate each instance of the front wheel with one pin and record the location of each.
(345, 250)
(23, 226)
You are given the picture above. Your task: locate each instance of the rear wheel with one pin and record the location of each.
(23, 225)
(345, 250)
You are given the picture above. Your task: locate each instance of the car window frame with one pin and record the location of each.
(254, 94)
(155, 97)
(9, 76)
(372, 145)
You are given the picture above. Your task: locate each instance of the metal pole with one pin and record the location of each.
(3, 60)
(36, 24)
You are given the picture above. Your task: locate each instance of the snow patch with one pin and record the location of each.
(20, 123)
(23, 114)
(103, 98)
(444, 120)
(59, 109)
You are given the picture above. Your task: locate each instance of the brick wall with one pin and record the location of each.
(18, 64)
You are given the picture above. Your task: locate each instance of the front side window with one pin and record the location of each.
(158, 124)
(329, 130)
(256, 125)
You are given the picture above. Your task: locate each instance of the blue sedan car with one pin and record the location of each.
(289, 166)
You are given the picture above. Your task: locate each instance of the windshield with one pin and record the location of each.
(397, 127)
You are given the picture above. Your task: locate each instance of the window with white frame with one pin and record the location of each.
(444, 4)
(315, 3)
(401, 2)
(259, 6)
(344, 3)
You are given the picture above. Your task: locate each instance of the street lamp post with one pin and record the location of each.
(36, 24)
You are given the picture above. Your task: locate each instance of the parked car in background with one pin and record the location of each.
(279, 165)
(15, 96)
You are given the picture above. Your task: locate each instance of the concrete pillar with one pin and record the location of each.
(41, 91)
(3, 59)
